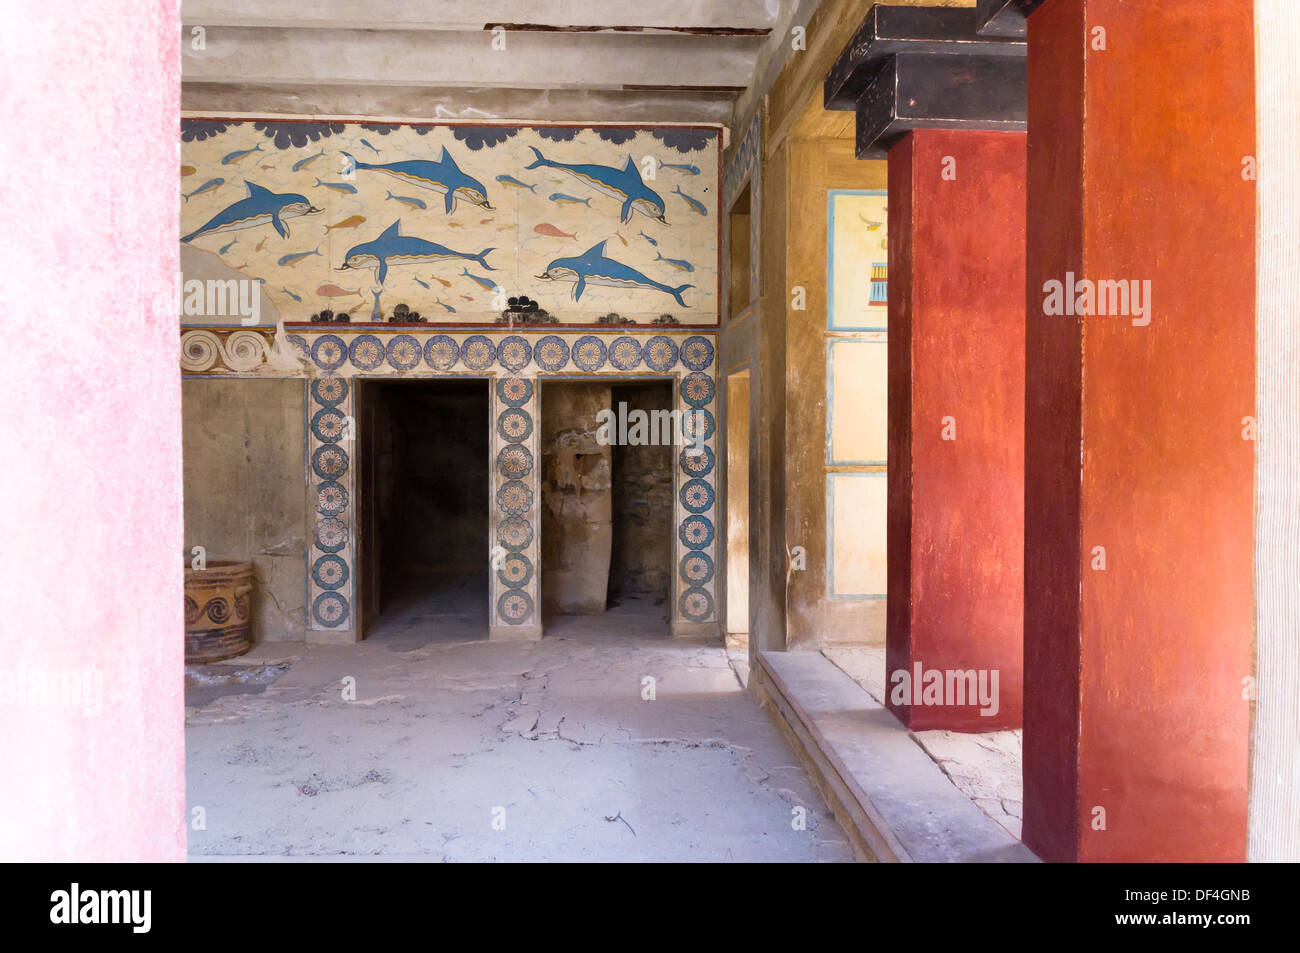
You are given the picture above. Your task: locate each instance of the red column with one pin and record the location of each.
(956, 426)
(1134, 672)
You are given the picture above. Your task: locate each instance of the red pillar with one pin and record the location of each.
(956, 422)
(1134, 673)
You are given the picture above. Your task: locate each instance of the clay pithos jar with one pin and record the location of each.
(218, 610)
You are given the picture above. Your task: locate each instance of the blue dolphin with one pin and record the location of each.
(624, 184)
(592, 267)
(441, 176)
(258, 208)
(394, 248)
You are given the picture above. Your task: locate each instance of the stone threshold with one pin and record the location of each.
(893, 801)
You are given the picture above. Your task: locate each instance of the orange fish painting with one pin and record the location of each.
(334, 291)
(351, 221)
(187, 170)
(546, 228)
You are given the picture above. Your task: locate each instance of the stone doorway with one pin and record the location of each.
(424, 489)
(607, 499)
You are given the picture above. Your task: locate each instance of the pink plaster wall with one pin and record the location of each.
(90, 446)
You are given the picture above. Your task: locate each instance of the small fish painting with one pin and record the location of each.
(337, 187)
(688, 169)
(696, 205)
(334, 291)
(295, 257)
(487, 284)
(407, 200)
(621, 238)
(546, 228)
(514, 183)
(648, 238)
(445, 305)
(225, 248)
(290, 293)
(238, 154)
(422, 284)
(442, 281)
(187, 170)
(370, 147)
(561, 198)
(679, 263)
(259, 245)
(207, 186)
(267, 168)
(352, 221)
(303, 163)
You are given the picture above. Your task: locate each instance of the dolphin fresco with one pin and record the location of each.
(441, 176)
(258, 208)
(624, 184)
(394, 248)
(592, 267)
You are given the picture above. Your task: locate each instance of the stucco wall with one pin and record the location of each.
(91, 455)
(244, 490)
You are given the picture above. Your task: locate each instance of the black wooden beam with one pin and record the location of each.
(1005, 18)
(888, 30)
(922, 91)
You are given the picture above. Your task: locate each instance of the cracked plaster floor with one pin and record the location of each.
(555, 732)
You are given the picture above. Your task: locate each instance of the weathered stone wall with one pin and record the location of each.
(244, 490)
(576, 499)
(642, 502)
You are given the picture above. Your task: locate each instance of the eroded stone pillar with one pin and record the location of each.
(956, 429)
(1140, 370)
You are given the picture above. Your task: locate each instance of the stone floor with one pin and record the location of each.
(984, 766)
(498, 751)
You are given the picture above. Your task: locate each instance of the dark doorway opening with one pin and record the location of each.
(424, 532)
(607, 504)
